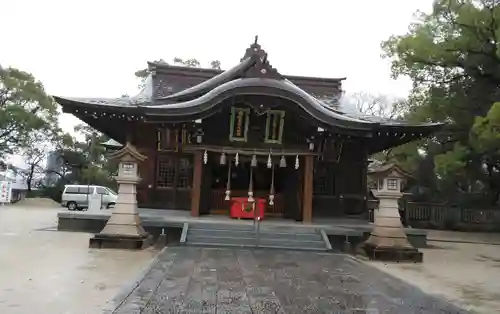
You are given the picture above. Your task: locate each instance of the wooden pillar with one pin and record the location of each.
(307, 197)
(196, 189)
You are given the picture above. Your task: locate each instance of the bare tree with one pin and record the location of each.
(376, 105)
(40, 143)
(34, 157)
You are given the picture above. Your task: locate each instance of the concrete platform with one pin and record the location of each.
(339, 231)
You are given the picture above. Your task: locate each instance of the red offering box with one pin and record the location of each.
(242, 208)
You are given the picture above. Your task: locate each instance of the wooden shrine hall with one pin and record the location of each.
(278, 145)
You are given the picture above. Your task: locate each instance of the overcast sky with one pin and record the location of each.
(92, 48)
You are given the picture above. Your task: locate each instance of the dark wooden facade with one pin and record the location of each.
(339, 185)
(193, 124)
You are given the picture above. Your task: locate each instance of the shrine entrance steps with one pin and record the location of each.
(248, 236)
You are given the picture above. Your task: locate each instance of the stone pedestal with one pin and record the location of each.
(124, 229)
(388, 240)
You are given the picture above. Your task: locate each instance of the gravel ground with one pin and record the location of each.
(55, 271)
(465, 273)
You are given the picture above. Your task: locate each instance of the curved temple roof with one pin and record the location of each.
(252, 76)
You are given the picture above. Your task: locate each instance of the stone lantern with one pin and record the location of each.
(124, 229)
(388, 239)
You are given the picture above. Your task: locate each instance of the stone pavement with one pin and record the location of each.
(203, 280)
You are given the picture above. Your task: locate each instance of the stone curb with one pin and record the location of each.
(462, 241)
(130, 286)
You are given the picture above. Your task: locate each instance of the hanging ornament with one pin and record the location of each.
(250, 197)
(271, 189)
(297, 162)
(269, 162)
(228, 183)
(223, 159)
(237, 159)
(250, 187)
(205, 157)
(253, 163)
(283, 162)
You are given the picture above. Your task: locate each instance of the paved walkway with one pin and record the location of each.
(202, 280)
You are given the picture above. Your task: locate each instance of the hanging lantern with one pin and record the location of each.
(310, 142)
(311, 146)
(269, 162)
(205, 157)
(253, 163)
(297, 162)
(283, 162)
(199, 136)
(237, 159)
(223, 159)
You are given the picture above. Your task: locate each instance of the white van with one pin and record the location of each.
(76, 197)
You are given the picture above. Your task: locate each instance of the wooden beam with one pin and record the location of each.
(308, 189)
(253, 151)
(196, 190)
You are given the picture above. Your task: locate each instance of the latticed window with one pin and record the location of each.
(185, 173)
(321, 185)
(174, 172)
(166, 172)
(172, 138)
(392, 184)
(324, 180)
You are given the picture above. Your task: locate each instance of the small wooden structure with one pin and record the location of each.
(249, 131)
(388, 240)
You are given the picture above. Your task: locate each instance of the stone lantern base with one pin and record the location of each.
(388, 241)
(112, 241)
(382, 252)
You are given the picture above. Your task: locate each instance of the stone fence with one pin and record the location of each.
(445, 217)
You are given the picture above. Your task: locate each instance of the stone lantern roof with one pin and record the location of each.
(377, 170)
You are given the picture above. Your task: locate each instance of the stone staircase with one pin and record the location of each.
(246, 236)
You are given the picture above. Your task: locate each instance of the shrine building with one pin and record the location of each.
(211, 136)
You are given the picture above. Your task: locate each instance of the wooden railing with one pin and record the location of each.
(442, 216)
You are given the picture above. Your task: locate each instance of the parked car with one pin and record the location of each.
(76, 197)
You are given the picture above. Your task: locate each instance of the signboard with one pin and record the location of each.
(240, 118)
(5, 191)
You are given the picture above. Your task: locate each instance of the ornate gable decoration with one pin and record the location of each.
(262, 67)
